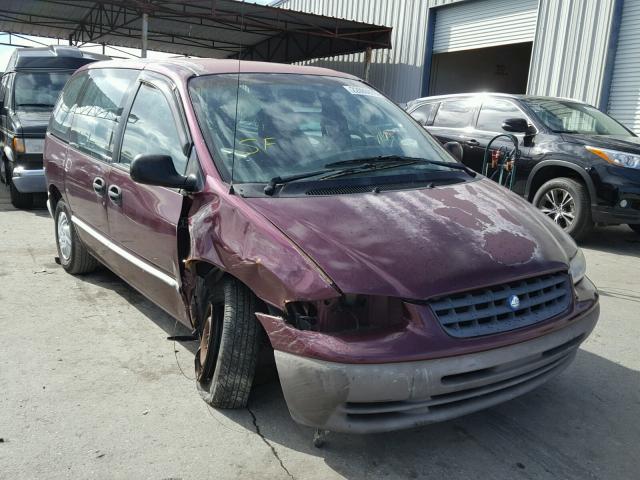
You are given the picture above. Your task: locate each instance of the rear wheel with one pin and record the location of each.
(635, 227)
(74, 256)
(229, 343)
(566, 202)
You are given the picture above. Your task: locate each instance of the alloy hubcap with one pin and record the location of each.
(559, 205)
(64, 236)
(210, 337)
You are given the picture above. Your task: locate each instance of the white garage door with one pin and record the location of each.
(484, 23)
(624, 96)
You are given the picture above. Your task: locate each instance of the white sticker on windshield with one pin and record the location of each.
(362, 91)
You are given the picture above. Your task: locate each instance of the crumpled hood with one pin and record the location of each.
(33, 122)
(615, 142)
(420, 243)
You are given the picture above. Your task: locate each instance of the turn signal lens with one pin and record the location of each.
(622, 159)
(18, 145)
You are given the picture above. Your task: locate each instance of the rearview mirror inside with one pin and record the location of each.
(159, 170)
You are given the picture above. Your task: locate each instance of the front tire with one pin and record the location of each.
(18, 199)
(229, 343)
(566, 202)
(74, 256)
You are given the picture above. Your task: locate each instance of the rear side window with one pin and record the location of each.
(98, 112)
(494, 112)
(152, 130)
(424, 113)
(455, 113)
(63, 112)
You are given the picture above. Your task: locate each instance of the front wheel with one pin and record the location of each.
(74, 256)
(635, 227)
(566, 202)
(229, 343)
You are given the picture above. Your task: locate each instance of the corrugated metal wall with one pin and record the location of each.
(474, 25)
(624, 100)
(397, 72)
(569, 51)
(568, 58)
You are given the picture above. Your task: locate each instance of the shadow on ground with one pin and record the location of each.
(620, 240)
(580, 425)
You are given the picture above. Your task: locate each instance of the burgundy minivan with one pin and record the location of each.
(257, 201)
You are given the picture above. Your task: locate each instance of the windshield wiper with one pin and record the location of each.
(389, 161)
(34, 105)
(270, 188)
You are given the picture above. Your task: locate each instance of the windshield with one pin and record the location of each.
(570, 117)
(39, 89)
(289, 124)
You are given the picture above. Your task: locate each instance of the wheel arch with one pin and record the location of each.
(550, 169)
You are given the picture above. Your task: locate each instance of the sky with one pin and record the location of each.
(31, 41)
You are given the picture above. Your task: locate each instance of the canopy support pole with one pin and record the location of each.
(145, 31)
(367, 63)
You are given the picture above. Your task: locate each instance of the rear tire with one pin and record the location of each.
(566, 202)
(635, 227)
(74, 256)
(229, 343)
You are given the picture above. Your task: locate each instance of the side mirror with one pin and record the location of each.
(159, 170)
(455, 149)
(517, 125)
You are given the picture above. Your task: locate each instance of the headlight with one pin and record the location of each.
(577, 266)
(622, 159)
(28, 145)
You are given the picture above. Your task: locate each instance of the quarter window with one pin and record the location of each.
(494, 112)
(424, 112)
(151, 129)
(98, 113)
(455, 113)
(63, 112)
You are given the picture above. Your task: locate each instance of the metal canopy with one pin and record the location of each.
(204, 28)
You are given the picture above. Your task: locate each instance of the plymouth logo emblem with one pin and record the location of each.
(514, 302)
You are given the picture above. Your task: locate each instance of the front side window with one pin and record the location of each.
(38, 89)
(290, 124)
(151, 129)
(571, 117)
(63, 112)
(98, 113)
(494, 112)
(455, 113)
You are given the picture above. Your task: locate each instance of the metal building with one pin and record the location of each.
(583, 49)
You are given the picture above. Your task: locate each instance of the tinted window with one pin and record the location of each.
(454, 113)
(494, 112)
(38, 90)
(151, 129)
(424, 112)
(63, 112)
(98, 112)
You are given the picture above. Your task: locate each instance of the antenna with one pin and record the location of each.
(235, 125)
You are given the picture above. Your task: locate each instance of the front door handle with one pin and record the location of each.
(472, 143)
(115, 193)
(98, 185)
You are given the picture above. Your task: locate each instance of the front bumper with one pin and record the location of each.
(29, 181)
(368, 398)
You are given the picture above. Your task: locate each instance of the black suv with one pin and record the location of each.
(578, 165)
(28, 90)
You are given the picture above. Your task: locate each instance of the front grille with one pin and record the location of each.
(487, 311)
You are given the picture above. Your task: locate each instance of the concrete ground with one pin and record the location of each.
(91, 388)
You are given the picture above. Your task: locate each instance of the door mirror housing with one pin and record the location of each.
(159, 170)
(455, 149)
(517, 125)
